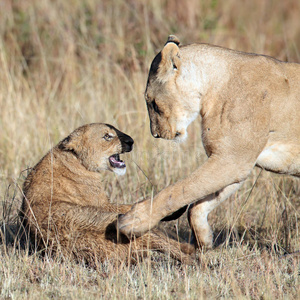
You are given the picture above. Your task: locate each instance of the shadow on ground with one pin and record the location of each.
(260, 238)
(13, 235)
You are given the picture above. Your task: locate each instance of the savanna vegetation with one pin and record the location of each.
(67, 63)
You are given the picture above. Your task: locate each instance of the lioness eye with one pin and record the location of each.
(108, 137)
(155, 107)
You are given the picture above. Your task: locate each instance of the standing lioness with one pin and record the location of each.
(250, 109)
(65, 206)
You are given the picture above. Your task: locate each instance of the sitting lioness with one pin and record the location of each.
(65, 206)
(250, 110)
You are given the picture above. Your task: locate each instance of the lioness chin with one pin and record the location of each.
(250, 110)
(65, 206)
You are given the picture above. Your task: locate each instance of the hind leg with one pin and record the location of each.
(158, 241)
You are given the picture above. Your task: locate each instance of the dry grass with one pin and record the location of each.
(67, 63)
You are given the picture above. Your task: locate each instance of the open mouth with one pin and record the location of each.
(116, 162)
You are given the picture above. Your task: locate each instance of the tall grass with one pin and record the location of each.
(67, 63)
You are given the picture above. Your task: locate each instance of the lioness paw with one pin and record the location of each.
(137, 221)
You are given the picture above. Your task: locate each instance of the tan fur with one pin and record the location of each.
(65, 206)
(250, 110)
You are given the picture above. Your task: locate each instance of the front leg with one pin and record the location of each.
(198, 213)
(88, 218)
(213, 176)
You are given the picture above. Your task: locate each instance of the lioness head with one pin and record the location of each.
(98, 146)
(170, 101)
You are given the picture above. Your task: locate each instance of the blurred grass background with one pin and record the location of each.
(68, 63)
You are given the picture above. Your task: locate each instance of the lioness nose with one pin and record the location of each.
(127, 143)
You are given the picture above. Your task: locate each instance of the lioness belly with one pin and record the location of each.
(280, 158)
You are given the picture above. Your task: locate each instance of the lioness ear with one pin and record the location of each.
(170, 59)
(71, 143)
(173, 39)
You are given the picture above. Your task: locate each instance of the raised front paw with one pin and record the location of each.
(137, 221)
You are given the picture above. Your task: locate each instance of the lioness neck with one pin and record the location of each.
(205, 72)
